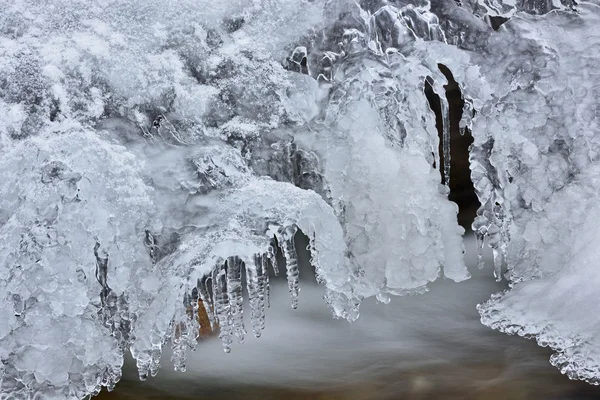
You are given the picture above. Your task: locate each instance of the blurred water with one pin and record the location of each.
(419, 347)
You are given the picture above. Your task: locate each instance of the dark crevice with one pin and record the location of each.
(233, 24)
(54, 110)
(304, 255)
(496, 21)
(461, 187)
(298, 61)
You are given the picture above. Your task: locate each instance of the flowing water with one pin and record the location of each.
(417, 347)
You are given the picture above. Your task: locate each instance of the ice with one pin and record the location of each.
(207, 301)
(539, 184)
(256, 298)
(286, 237)
(234, 293)
(154, 156)
(222, 304)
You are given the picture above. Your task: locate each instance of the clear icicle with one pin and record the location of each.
(221, 302)
(178, 338)
(291, 257)
(178, 357)
(254, 294)
(155, 355)
(445, 136)
(500, 239)
(193, 299)
(497, 264)
(434, 139)
(312, 251)
(480, 228)
(480, 240)
(272, 254)
(192, 320)
(194, 317)
(263, 282)
(207, 300)
(265, 276)
(236, 299)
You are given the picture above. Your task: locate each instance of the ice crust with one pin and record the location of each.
(156, 155)
(546, 178)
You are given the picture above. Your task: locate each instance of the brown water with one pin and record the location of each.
(415, 348)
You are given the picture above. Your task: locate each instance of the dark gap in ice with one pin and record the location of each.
(462, 191)
(496, 21)
(461, 187)
(304, 255)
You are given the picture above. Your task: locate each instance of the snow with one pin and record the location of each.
(153, 151)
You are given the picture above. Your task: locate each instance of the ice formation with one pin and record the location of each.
(158, 156)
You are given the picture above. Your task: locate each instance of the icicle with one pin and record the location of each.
(193, 299)
(254, 293)
(466, 121)
(272, 254)
(198, 309)
(179, 336)
(480, 240)
(434, 139)
(221, 302)
(312, 251)
(142, 362)
(263, 283)
(500, 237)
(489, 225)
(236, 299)
(289, 251)
(155, 355)
(445, 136)
(265, 274)
(193, 321)
(497, 264)
(205, 298)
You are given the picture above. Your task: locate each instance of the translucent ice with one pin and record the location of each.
(155, 158)
(541, 184)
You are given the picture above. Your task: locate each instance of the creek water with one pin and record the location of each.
(430, 346)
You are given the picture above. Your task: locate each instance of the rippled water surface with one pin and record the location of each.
(418, 347)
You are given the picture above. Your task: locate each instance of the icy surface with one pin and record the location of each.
(161, 157)
(545, 181)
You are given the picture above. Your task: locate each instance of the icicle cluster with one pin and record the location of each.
(221, 294)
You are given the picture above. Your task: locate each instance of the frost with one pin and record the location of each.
(160, 159)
